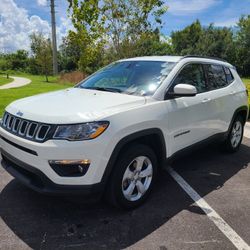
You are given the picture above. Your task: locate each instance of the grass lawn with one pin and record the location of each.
(37, 86)
(247, 82)
(4, 80)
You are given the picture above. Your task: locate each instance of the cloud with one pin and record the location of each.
(63, 28)
(188, 7)
(16, 26)
(227, 23)
(42, 2)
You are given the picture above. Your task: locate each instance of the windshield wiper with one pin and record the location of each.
(105, 89)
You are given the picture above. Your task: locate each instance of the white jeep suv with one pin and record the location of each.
(115, 130)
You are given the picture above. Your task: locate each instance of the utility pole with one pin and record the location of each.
(54, 45)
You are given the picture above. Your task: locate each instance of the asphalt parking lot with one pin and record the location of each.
(169, 220)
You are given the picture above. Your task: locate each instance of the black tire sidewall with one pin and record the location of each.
(115, 194)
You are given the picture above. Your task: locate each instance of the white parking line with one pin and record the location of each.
(247, 130)
(238, 242)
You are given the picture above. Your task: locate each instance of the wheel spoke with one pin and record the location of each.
(139, 162)
(128, 174)
(233, 140)
(140, 187)
(146, 172)
(128, 192)
(237, 126)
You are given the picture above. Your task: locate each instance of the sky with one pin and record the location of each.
(20, 18)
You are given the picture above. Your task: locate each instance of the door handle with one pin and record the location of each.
(232, 92)
(206, 100)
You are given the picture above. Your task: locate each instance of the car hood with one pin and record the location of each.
(73, 105)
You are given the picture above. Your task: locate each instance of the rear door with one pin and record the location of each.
(189, 118)
(222, 95)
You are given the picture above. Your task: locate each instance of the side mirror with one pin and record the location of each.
(182, 90)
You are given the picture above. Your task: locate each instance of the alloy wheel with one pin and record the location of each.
(137, 178)
(236, 134)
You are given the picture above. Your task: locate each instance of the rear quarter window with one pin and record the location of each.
(229, 75)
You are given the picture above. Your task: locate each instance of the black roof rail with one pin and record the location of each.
(205, 57)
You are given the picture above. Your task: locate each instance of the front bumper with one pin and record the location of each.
(38, 156)
(38, 181)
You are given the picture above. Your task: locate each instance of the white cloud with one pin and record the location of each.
(187, 7)
(16, 26)
(63, 28)
(227, 23)
(42, 2)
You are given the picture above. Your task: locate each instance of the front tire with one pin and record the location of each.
(133, 177)
(235, 135)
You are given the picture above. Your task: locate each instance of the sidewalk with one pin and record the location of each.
(18, 82)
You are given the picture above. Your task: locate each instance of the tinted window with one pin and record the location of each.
(216, 76)
(229, 75)
(130, 77)
(192, 74)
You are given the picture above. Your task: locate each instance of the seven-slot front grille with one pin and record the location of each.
(30, 130)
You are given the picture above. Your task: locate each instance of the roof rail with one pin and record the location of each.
(205, 57)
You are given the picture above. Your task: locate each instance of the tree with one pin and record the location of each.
(112, 25)
(42, 53)
(204, 41)
(89, 30)
(69, 53)
(243, 45)
(4, 63)
(128, 21)
(18, 60)
(185, 41)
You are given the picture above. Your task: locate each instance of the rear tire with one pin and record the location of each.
(133, 177)
(235, 135)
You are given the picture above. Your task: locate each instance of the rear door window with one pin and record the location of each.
(216, 76)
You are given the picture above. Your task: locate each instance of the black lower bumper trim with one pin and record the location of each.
(38, 181)
(27, 150)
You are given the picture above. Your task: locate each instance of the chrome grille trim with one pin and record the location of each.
(38, 137)
(23, 128)
(26, 129)
(5, 118)
(29, 133)
(16, 125)
(10, 122)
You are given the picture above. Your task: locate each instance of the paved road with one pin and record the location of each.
(18, 82)
(169, 220)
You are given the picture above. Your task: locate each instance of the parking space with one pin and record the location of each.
(169, 220)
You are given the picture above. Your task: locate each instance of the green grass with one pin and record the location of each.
(247, 82)
(4, 80)
(37, 86)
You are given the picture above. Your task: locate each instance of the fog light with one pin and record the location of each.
(70, 168)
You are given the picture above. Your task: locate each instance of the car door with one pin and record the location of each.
(222, 94)
(189, 117)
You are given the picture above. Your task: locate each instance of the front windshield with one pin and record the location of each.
(129, 77)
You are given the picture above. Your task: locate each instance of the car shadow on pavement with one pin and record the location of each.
(44, 222)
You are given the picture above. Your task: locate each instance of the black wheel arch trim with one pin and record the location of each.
(128, 139)
(236, 113)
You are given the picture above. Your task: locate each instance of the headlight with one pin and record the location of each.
(80, 132)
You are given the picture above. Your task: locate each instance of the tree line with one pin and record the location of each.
(109, 30)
